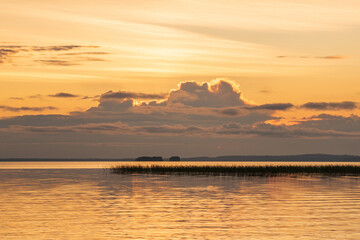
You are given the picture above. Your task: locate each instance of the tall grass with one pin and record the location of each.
(279, 170)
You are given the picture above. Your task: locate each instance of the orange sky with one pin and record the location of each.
(60, 57)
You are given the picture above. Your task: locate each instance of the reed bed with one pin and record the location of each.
(269, 170)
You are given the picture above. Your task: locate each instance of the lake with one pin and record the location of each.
(81, 200)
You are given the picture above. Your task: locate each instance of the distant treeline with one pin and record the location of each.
(150, 159)
(281, 158)
(250, 158)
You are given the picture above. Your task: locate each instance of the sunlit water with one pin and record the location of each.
(82, 201)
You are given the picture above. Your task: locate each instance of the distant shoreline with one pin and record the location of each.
(235, 158)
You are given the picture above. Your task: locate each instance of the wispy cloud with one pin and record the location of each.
(281, 131)
(84, 53)
(57, 62)
(16, 98)
(134, 95)
(63, 95)
(56, 95)
(346, 105)
(59, 48)
(6, 54)
(271, 106)
(330, 57)
(225, 130)
(55, 55)
(33, 109)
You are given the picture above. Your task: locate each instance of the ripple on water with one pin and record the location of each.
(91, 204)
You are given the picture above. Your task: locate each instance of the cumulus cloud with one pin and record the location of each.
(113, 107)
(216, 94)
(191, 102)
(346, 105)
(219, 93)
(213, 109)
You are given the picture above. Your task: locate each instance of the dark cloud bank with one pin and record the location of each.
(195, 119)
(203, 109)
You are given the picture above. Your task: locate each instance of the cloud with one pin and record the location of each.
(219, 93)
(113, 128)
(16, 98)
(215, 109)
(210, 103)
(229, 111)
(193, 102)
(271, 106)
(281, 131)
(92, 59)
(134, 95)
(34, 109)
(85, 53)
(265, 91)
(333, 57)
(225, 130)
(51, 52)
(112, 107)
(56, 62)
(332, 122)
(91, 97)
(330, 57)
(345, 105)
(57, 95)
(6, 54)
(77, 61)
(63, 95)
(59, 48)
(36, 96)
(215, 94)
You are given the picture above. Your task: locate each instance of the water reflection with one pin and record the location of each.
(93, 204)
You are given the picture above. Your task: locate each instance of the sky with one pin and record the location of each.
(116, 79)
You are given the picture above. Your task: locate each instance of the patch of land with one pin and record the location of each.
(235, 158)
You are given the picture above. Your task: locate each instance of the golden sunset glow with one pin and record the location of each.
(288, 63)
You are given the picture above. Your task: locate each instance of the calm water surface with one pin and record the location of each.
(82, 201)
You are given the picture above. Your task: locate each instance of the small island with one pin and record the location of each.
(149, 159)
